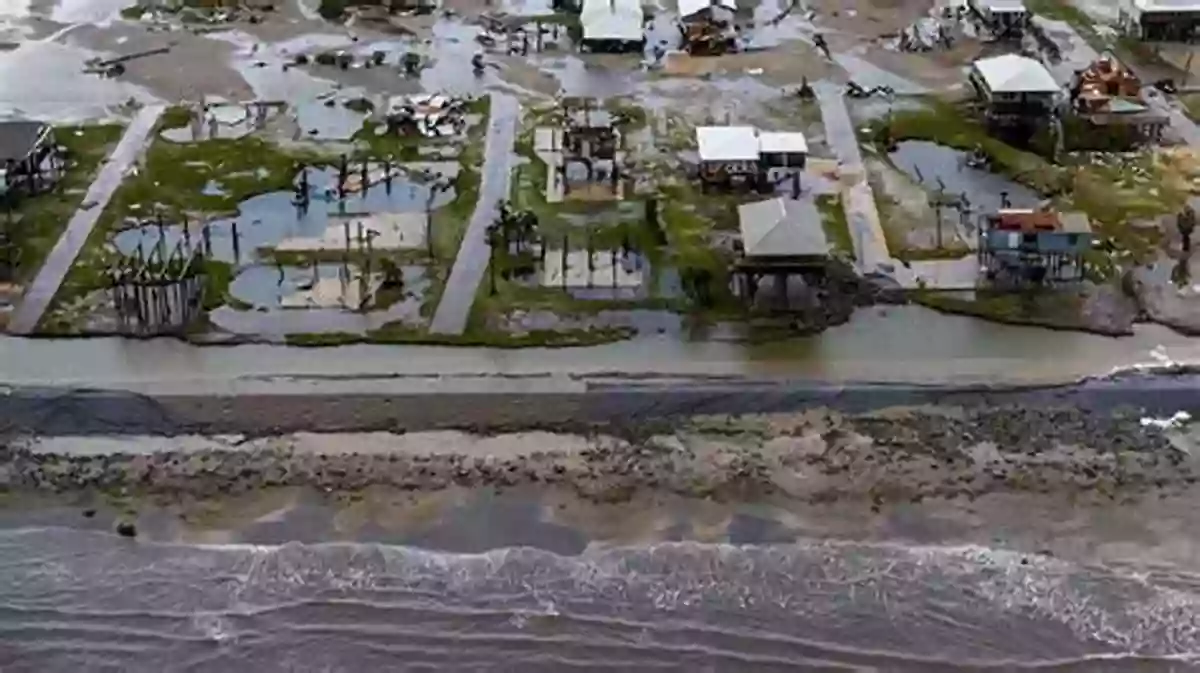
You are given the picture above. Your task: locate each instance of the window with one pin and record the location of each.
(1072, 240)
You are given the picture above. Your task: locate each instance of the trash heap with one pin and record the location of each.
(429, 115)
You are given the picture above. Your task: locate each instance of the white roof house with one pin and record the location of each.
(690, 7)
(727, 143)
(612, 20)
(1011, 73)
(782, 228)
(1000, 6)
(1160, 6)
(782, 142)
(746, 143)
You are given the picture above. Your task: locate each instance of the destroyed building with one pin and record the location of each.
(1107, 97)
(1160, 20)
(430, 115)
(1033, 246)
(1016, 91)
(29, 159)
(708, 26)
(1004, 18)
(589, 131)
(612, 26)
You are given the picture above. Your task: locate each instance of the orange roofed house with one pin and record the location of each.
(1035, 245)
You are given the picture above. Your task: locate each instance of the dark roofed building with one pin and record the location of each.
(27, 156)
(19, 139)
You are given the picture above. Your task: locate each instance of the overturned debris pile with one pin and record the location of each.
(429, 115)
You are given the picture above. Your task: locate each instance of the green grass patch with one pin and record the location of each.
(175, 117)
(39, 221)
(1048, 308)
(396, 146)
(133, 12)
(217, 277)
(833, 221)
(1191, 104)
(1063, 10)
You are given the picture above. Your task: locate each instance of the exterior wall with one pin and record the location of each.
(1160, 26)
(785, 159)
(1045, 242)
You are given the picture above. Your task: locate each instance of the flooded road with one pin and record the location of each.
(898, 344)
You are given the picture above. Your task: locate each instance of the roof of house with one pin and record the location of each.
(1011, 73)
(1034, 220)
(612, 20)
(1167, 5)
(782, 142)
(782, 228)
(690, 7)
(19, 138)
(1001, 6)
(746, 143)
(727, 143)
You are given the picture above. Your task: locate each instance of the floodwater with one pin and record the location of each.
(897, 344)
(45, 80)
(937, 167)
(264, 221)
(547, 584)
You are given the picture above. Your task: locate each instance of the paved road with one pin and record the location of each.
(39, 294)
(473, 255)
(870, 246)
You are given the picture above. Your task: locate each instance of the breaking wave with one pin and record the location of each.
(77, 601)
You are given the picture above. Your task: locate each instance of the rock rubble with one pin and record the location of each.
(898, 455)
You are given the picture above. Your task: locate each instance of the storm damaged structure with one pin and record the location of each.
(612, 26)
(161, 293)
(780, 238)
(31, 160)
(429, 115)
(740, 156)
(1025, 246)
(708, 26)
(1004, 18)
(591, 138)
(1016, 91)
(1107, 99)
(1160, 20)
(589, 131)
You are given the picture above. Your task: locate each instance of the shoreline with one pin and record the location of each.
(889, 455)
(626, 405)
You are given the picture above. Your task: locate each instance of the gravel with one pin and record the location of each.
(820, 455)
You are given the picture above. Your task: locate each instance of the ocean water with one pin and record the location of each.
(85, 601)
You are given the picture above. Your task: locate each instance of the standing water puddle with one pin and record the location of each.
(336, 294)
(935, 166)
(267, 220)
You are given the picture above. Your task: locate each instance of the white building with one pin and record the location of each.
(1000, 14)
(612, 25)
(1166, 20)
(1014, 86)
(783, 228)
(748, 144)
(721, 10)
